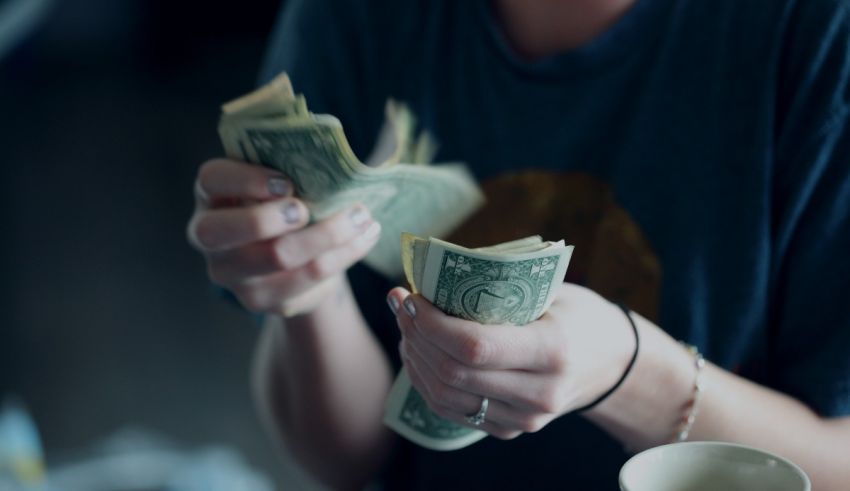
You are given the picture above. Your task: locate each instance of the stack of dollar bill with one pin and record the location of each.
(509, 283)
(272, 126)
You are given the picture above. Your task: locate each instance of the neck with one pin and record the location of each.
(540, 28)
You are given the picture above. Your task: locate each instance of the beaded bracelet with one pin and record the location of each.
(683, 429)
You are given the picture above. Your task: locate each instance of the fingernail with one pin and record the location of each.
(409, 307)
(393, 303)
(278, 186)
(291, 213)
(359, 216)
(372, 231)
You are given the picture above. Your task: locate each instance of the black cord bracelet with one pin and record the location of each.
(628, 368)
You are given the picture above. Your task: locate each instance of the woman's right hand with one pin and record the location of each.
(254, 236)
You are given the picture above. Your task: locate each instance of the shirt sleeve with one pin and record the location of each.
(810, 308)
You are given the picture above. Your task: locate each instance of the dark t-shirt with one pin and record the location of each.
(697, 153)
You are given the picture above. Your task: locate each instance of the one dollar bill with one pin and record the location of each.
(511, 283)
(272, 126)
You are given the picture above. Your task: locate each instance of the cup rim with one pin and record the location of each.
(707, 443)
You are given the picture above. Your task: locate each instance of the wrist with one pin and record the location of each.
(624, 367)
(646, 408)
(692, 406)
(315, 302)
(328, 318)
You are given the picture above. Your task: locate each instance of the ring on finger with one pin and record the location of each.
(479, 417)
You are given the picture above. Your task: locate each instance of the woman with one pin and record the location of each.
(697, 152)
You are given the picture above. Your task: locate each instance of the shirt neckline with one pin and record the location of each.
(629, 34)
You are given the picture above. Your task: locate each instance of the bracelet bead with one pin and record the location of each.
(691, 408)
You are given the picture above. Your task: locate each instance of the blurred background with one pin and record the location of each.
(108, 321)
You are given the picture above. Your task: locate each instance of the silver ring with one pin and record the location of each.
(477, 419)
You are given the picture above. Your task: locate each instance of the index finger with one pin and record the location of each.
(220, 180)
(497, 347)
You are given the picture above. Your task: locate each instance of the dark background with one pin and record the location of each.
(107, 319)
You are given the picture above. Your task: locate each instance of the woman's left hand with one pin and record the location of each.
(531, 374)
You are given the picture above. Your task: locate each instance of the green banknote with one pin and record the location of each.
(273, 127)
(511, 283)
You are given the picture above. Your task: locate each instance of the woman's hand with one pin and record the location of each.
(532, 374)
(254, 236)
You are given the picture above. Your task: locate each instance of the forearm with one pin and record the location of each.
(321, 381)
(646, 409)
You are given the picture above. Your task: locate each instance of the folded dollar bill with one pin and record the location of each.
(510, 283)
(272, 126)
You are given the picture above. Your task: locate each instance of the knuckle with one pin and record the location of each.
(251, 299)
(439, 410)
(549, 401)
(505, 434)
(532, 424)
(475, 351)
(440, 396)
(319, 268)
(204, 232)
(191, 235)
(451, 373)
(207, 170)
(333, 231)
(278, 259)
(215, 274)
(292, 305)
(281, 253)
(558, 359)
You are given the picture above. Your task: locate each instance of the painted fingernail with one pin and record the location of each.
(359, 216)
(409, 307)
(291, 213)
(393, 303)
(278, 186)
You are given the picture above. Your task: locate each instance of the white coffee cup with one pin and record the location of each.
(710, 466)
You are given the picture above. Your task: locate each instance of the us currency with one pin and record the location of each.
(272, 126)
(510, 283)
